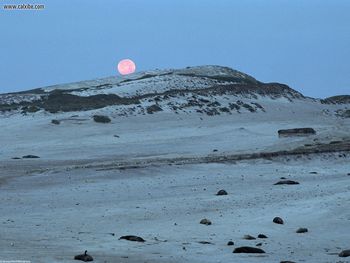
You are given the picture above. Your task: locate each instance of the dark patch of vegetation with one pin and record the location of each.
(224, 109)
(56, 122)
(241, 80)
(9, 107)
(258, 106)
(212, 111)
(341, 99)
(214, 104)
(234, 106)
(30, 109)
(101, 119)
(154, 108)
(59, 101)
(248, 107)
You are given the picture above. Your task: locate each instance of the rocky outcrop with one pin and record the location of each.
(296, 132)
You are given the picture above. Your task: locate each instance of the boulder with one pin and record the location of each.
(278, 220)
(248, 237)
(302, 230)
(205, 222)
(221, 192)
(248, 250)
(84, 257)
(132, 238)
(288, 182)
(30, 156)
(345, 253)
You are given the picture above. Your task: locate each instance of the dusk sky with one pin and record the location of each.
(302, 43)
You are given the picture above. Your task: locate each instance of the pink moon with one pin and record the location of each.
(126, 66)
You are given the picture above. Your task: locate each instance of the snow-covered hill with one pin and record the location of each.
(206, 89)
(175, 138)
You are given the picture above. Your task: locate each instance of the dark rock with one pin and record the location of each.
(289, 182)
(313, 172)
(133, 238)
(296, 132)
(344, 253)
(287, 261)
(101, 119)
(230, 243)
(262, 236)
(222, 192)
(84, 257)
(302, 230)
(15, 158)
(30, 156)
(56, 122)
(248, 237)
(278, 220)
(205, 222)
(153, 108)
(259, 244)
(215, 150)
(248, 250)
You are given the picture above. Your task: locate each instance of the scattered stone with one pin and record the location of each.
(283, 178)
(56, 122)
(344, 253)
(278, 220)
(289, 182)
(262, 236)
(248, 250)
(302, 230)
(30, 156)
(230, 243)
(313, 172)
(248, 237)
(222, 192)
(84, 257)
(132, 238)
(287, 261)
(205, 222)
(15, 158)
(215, 150)
(101, 119)
(259, 244)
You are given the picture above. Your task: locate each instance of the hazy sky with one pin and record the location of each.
(302, 43)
